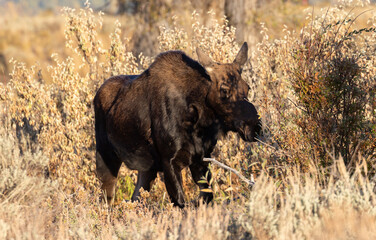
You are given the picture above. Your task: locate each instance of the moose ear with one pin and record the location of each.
(242, 56)
(204, 59)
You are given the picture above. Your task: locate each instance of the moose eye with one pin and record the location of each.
(225, 93)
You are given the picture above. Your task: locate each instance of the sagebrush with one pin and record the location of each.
(314, 165)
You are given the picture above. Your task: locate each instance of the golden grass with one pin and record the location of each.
(33, 207)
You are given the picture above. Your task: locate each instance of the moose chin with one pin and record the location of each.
(169, 118)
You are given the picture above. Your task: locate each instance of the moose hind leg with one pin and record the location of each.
(107, 170)
(144, 178)
(200, 171)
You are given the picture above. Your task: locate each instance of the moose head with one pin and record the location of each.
(228, 95)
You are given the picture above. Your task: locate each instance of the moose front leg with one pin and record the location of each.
(144, 178)
(174, 187)
(200, 171)
(172, 176)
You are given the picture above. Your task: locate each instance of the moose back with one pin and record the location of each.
(168, 118)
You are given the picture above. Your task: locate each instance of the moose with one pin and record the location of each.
(168, 118)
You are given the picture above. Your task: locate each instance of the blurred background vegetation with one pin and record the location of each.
(32, 30)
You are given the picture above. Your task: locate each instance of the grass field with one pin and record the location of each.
(312, 79)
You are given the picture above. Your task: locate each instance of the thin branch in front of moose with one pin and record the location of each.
(250, 182)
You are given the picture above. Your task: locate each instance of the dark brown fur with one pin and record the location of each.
(169, 118)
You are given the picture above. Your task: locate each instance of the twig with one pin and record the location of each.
(279, 151)
(296, 105)
(249, 182)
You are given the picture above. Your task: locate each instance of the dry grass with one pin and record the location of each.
(48, 187)
(32, 206)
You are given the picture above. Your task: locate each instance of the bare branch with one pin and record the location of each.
(249, 182)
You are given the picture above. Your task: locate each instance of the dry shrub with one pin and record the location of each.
(49, 179)
(216, 38)
(316, 90)
(58, 117)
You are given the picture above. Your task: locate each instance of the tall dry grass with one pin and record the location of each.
(305, 186)
(32, 206)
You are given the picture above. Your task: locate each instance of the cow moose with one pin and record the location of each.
(169, 117)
